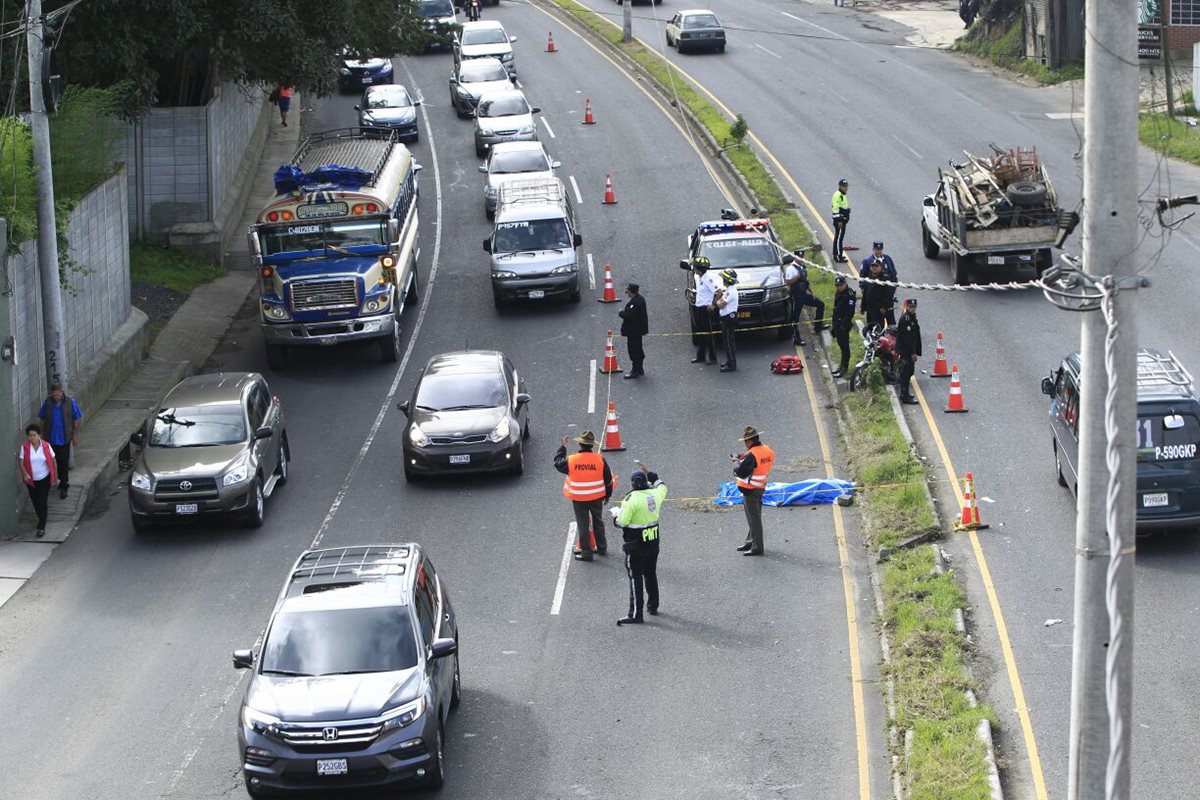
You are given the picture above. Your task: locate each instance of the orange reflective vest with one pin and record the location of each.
(585, 477)
(764, 458)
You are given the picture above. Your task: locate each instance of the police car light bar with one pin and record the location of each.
(734, 226)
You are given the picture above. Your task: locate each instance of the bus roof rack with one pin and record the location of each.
(360, 148)
(1154, 370)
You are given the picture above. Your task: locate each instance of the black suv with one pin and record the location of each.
(357, 674)
(751, 248)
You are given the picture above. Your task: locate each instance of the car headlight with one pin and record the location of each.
(403, 716)
(261, 723)
(564, 269)
(345, 71)
(139, 480)
(386, 68)
(376, 304)
(490, 191)
(777, 293)
(237, 472)
(506, 56)
(465, 94)
(525, 130)
(417, 437)
(500, 432)
(500, 273)
(273, 311)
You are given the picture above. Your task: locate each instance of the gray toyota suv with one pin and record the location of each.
(357, 675)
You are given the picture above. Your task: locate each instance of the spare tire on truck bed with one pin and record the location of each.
(1026, 193)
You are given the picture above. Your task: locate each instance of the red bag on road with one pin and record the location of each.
(787, 365)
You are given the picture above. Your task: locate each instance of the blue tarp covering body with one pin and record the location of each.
(803, 493)
(290, 178)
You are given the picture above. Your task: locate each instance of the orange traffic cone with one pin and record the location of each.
(550, 48)
(612, 436)
(610, 291)
(970, 509)
(941, 368)
(591, 536)
(610, 199)
(610, 357)
(955, 404)
(588, 119)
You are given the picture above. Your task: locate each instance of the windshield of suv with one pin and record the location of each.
(340, 641)
(520, 161)
(392, 97)
(1158, 443)
(485, 36)
(308, 236)
(435, 8)
(742, 252)
(199, 426)
(450, 392)
(538, 234)
(478, 73)
(701, 21)
(503, 107)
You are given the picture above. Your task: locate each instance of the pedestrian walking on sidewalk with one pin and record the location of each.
(60, 416)
(908, 347)
(589, 485)
(35, 459)
(282, 97)
(840, 205)
(726, 305)
(753, 466)
(844, 302)
(635, 324)
(638, 520)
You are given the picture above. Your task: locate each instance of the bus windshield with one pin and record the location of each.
(306, 237)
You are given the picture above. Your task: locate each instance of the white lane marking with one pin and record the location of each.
(818, 27)
(575, 188)
(591, 264)
(549, 130)
(592, 387)
(1064, 114)
(768, 52)
(561, 586)
(904, 144)
(344, 489)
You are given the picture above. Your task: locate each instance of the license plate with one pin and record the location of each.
(537, 294)
(743, 315)
(996, 260)
(366, 80)
(465, 459)
(187, 508)
(332, 766)
(1152, 500)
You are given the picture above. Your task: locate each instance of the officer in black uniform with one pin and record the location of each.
(844, 301)
(877, 298)
(908, 347)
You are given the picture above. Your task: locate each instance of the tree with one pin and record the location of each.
(171, 52)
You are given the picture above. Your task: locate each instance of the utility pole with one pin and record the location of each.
(53, 324)
(1101, 662)
(627, 21)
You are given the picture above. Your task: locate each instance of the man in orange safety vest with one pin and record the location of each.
(753, 467)
(589, 485)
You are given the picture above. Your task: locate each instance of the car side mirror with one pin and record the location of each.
(928, 201)
(555, 164)
(443, 647)
(417, 102)
(404, 406)
(512, 79)
(512, 39)
(523, 398)
(684, 264)
(264, 432)
(243, 659)
(535, 110)
(1047, 386)
(578, 239)
(487, 245)
(137, 439)
(483, 167)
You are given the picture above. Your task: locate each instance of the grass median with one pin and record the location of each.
(929, 655)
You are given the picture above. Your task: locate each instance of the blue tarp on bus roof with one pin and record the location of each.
(290, 178)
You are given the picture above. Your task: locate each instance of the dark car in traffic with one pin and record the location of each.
(356, 74)
(472, 79)
(469, 412)
(389, 107)
(356, 677)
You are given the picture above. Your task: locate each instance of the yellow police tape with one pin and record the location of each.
(824, 321)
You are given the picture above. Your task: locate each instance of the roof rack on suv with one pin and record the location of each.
(1154, 370)
(539, 190)
(362, 148)
(364, 561)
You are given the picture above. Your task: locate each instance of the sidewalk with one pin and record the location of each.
(181, 348)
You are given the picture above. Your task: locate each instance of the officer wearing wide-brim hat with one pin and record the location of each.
(589, 485)
(753, 467)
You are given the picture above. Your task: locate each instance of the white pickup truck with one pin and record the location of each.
(992, 214)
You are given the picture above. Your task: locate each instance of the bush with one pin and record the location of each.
(18, 191)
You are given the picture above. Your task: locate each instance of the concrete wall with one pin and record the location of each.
(96, 301)
(182, 162)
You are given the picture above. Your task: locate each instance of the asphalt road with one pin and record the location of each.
(117, 681)
(833, 93)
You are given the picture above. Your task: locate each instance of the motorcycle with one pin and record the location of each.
(879, 347)
(474, 11)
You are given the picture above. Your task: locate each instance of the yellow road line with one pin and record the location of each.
(1010, 662)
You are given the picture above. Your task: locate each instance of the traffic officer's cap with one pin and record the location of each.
(878, 245)
(839, 281)
(843, 182)
(639, 480)
(729, 276)
(701, 262)
(633, 287)
(910, 302)
(877, 262)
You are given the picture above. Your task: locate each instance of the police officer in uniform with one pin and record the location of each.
(908, 347)
(703, 326)
(796, 279)
(726, 304)
(889, 272)
(877, 298)
(634, 325)
(589, 485)
(840, 205)
(753, 467)
(638, 520)
(844, 301)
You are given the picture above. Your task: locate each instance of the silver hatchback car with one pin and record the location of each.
(218, 446)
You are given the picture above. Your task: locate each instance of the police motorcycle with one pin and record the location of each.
(879, 347)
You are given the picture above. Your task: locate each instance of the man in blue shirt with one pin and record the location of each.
(60, 416)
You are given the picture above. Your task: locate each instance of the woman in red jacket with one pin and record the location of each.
(36, 462)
